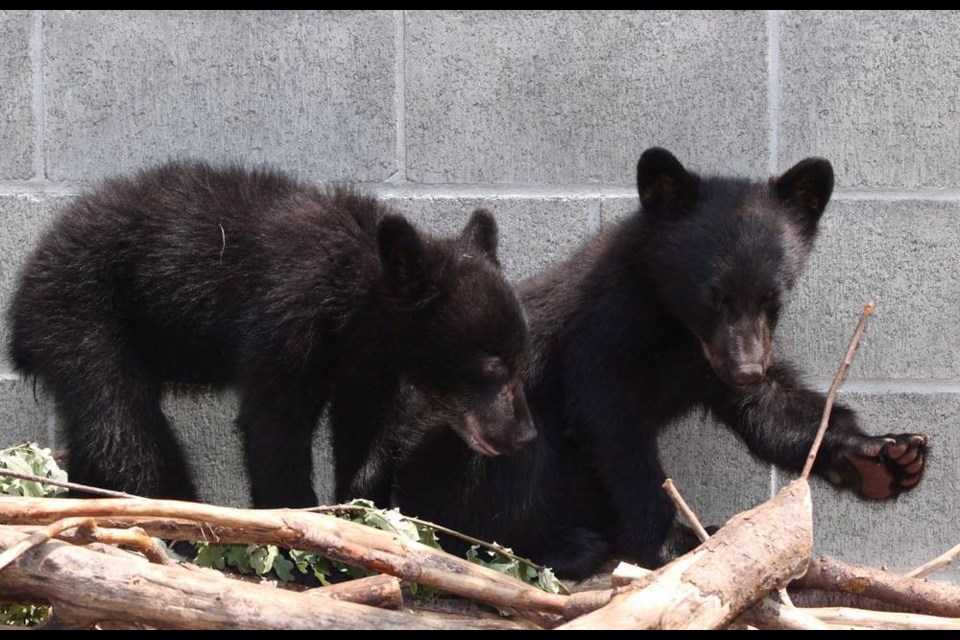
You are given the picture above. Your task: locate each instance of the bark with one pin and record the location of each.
(376, 591)
(334, 538)
(86, 587)
(925, 596)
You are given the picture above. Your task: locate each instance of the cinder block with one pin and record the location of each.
(535, 232)
(16, 99)
(22, 220)
(713, 469)
(922, 523)
(310, 91)
(203, 422)
(875, 92)
(22, 417)
(574, 97)
(905, 256)
(616, 208)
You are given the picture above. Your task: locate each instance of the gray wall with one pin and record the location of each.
(541, 116)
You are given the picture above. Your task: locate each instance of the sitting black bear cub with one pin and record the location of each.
(671, 309)
(297, 296)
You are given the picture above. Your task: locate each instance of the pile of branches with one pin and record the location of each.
(98, 563)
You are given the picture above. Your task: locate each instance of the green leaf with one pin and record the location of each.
(429, 538)
(30, 459)
(547, 581)
(362, 502)
(23, 615)
(283, 568)
(212, 556)
(261, 557)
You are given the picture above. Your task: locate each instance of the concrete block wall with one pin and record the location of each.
(541, 117)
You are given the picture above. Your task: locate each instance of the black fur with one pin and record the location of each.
(674, 308)
(299, 297)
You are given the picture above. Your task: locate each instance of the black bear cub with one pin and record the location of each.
(671, 309)
(297, 296)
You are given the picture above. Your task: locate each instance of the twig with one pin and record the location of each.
(134, 537)
(685, 510)
(73, 486)
(444, 530)
(937, 563)
(832, 394)
(866, 619)
(44, 535)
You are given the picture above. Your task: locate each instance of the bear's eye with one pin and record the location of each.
(494, 370)
(718, 295)
(769, 298)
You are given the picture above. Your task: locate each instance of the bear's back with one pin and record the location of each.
(198, 259)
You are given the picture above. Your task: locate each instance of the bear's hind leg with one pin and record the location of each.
(118, 436)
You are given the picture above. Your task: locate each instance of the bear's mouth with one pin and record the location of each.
(471, 436)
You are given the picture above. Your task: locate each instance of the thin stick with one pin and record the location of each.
(453, 533)
(832, 394)
(134, 537)
(867, 619)
(73, 486)
(44, 535)
(937, 563)
(685, 510)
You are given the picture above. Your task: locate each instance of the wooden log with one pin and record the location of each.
(819, 599)
(332, 537)
(85, 587)
(864, 619)
(381, 591)
(458, 610)
(766, 614)
(925, 596)
(757, 551)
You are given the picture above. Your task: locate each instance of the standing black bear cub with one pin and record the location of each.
(297, 296)
(674, 308)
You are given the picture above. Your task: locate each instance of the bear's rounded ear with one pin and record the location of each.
(662, 182)
(401, 253)
(807, 186)
(481, 233)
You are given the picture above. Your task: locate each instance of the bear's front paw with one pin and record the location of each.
(883, 467)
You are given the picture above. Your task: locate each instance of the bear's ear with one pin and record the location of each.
(662, 182)
(401, 254)
(806, 186)
(481, 233)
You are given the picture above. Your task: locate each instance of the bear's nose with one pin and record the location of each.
(745, 374)
(523, 434)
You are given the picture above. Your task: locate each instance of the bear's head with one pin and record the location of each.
(464, 340)
(723, 252)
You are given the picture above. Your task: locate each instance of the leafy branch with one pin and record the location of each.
(532, 572)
